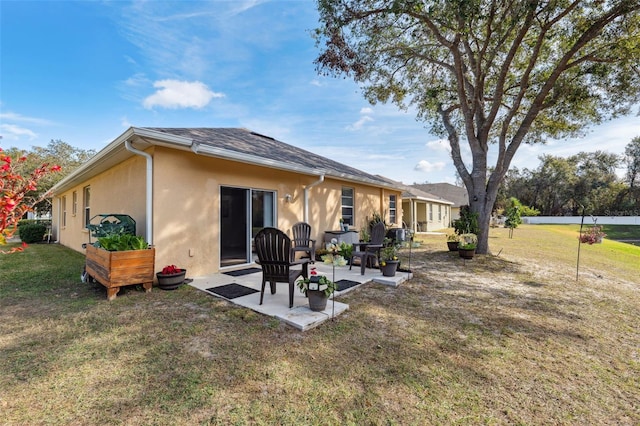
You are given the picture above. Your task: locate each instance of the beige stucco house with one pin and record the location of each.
(456, 194)
(199, 195)
(422, 211)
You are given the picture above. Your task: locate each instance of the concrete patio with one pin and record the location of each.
(277, 305)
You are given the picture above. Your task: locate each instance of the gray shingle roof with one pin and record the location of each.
(456, 194)
(410, 192)
(247, 142)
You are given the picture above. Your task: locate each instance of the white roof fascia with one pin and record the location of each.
(356, 179)
(164, 139)
(417, 197)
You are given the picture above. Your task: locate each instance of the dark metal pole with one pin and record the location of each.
(579, 243)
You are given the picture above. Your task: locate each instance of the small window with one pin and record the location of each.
(439, 212)
(392, 209)
(347, 206)
(86, 193)
(74, 203)
(431, 212)
(63, 207)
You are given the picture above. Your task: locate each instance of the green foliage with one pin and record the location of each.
(529, 211)
(45, 222)
(493, 75)
(513, 214)
(324, 284)
(121, 242)
(345, 250)
(467, 223)
(56, 152)
(389, 252)
(32, 232)
(468, 241)
(115, 227)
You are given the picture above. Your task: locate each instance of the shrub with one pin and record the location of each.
(32, 232)
(468, 222)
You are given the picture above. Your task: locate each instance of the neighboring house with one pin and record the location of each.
(200, 195)
(456, 194)
(422, 211)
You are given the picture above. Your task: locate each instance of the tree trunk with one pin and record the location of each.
(482, 198)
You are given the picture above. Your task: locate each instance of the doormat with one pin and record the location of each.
(241, 272)
(231, 291)
(345, 284)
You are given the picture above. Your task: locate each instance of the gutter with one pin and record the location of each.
(306, 196)
(149, 197)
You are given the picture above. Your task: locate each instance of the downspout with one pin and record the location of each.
(306, 196)
(149, 197)
(59, 226)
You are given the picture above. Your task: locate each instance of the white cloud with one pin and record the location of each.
(176, 94)
(21, 118)
(316, 83)
(425, 166)
(124, 122)
(439, 145)
(359, 124)
(13, 132)
(366, 110)
(137, 80)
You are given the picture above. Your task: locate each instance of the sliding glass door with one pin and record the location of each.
(243, 212)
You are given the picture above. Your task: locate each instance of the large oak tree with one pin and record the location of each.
(493, 74)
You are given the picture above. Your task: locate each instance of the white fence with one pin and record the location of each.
(588, 220)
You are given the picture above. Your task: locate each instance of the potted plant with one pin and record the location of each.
(452, 242)
(389, 260)
(335, 253)
(118, 260)
(467, 245)
(171, 277)
(318, 288)
(345, 250)
(593, 234)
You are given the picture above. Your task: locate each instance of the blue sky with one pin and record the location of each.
(84, 72)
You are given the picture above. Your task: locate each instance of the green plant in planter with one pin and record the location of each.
(345, 250)
(468, 241)
(122, 242)
(388, 253)
(453, 238)
(319, 283)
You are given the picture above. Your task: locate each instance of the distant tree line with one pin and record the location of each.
(563, 186)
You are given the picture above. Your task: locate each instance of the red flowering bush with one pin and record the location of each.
(14, 190)
(171, 269)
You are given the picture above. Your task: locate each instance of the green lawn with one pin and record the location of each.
(508, 338)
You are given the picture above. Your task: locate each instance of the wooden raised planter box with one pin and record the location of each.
(115, 269)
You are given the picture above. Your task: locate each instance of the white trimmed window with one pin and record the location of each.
(347, 205)
(86, 200)
(63, 207)
(74, 203)
(392, 209)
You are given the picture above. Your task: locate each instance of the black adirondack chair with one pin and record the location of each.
(302, 241)
(370, 250)
(274, 256)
